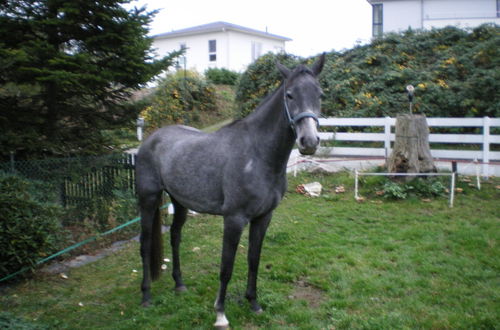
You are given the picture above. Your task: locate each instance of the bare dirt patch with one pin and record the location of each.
(308, 293)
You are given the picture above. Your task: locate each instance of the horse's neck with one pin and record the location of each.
(272, 131)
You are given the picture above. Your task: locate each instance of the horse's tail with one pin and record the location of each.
(156, 246)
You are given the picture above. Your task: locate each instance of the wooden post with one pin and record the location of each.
(411, 152)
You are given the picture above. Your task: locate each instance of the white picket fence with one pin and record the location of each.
(490, 160)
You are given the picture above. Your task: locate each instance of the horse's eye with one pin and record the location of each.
(289, 95)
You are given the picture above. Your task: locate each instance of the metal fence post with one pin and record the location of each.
(12, 162)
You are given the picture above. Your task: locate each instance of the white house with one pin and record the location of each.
(399, 15)
(219, 45)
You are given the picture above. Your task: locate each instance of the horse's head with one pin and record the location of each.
(302, 103)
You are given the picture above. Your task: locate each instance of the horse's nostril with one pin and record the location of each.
(317, 140)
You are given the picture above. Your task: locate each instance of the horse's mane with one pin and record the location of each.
(299, 70)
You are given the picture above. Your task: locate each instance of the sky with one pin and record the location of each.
(314, 25)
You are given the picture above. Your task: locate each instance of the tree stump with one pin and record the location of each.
(411, 152)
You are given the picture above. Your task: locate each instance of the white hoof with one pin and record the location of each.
(221, 322)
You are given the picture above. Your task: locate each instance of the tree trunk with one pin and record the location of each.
(411, 152)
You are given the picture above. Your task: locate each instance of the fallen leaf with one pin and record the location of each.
(379, 192)
(340, 189)
(196, 249)
(360, 199)
(300, 189)
(64, 276)
(459, 190)
(426, 200)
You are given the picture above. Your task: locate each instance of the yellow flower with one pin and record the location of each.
(442, 83)
(451, 60)
(422, 86)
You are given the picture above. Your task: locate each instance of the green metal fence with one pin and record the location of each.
(79, 181)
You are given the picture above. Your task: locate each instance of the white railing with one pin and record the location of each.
(485, 139)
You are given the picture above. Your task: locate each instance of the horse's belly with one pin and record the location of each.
(196, 185)
(197, 198)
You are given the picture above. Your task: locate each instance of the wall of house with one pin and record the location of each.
(417, 14)
(463, 13)
(401, 15)
(234, 49)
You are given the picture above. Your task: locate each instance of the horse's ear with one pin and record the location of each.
(318, 65)
(283, 69)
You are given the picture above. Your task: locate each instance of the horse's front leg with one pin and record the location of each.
(258, 228)
(180, 213)
(233, 227)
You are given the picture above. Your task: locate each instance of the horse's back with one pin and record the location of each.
(188, 164)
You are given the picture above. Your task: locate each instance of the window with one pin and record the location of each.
(498, 8)
(212, 50)
(378, 27)
(182, 59)
(256, 50)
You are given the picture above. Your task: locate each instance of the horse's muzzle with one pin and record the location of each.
(308, 144)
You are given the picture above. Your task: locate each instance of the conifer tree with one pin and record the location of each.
(67, 69)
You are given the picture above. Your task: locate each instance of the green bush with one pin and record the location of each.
(29, 224)
(454, 71)
(180, 98)
(261, 78)
(221, 76)
(420, 187)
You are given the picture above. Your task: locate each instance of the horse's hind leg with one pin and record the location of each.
(175, 241)
(149, 204)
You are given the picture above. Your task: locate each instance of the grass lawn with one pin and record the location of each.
(327, 263)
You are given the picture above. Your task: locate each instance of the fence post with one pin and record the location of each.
(486, 146)
(12, 162)
(387, 136)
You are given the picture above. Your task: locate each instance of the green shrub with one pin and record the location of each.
(420, 187)
(29, 224)
(394, 190)
(221, 76)
(454, 71)
(261, 78)
(180, 99)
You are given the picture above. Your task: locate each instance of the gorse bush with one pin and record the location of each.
(30, 228)
(454, 71)
(221, 76)
(179, 99)
(455, 74)
(261, 78)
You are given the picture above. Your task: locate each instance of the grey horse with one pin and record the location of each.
(238, 172)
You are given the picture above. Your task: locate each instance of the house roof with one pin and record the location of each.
(218, 27)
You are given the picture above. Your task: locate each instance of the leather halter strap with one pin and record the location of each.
(292, 121)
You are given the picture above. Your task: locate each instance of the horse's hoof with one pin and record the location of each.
(221, 322)
(181, 288)
(258, 311)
